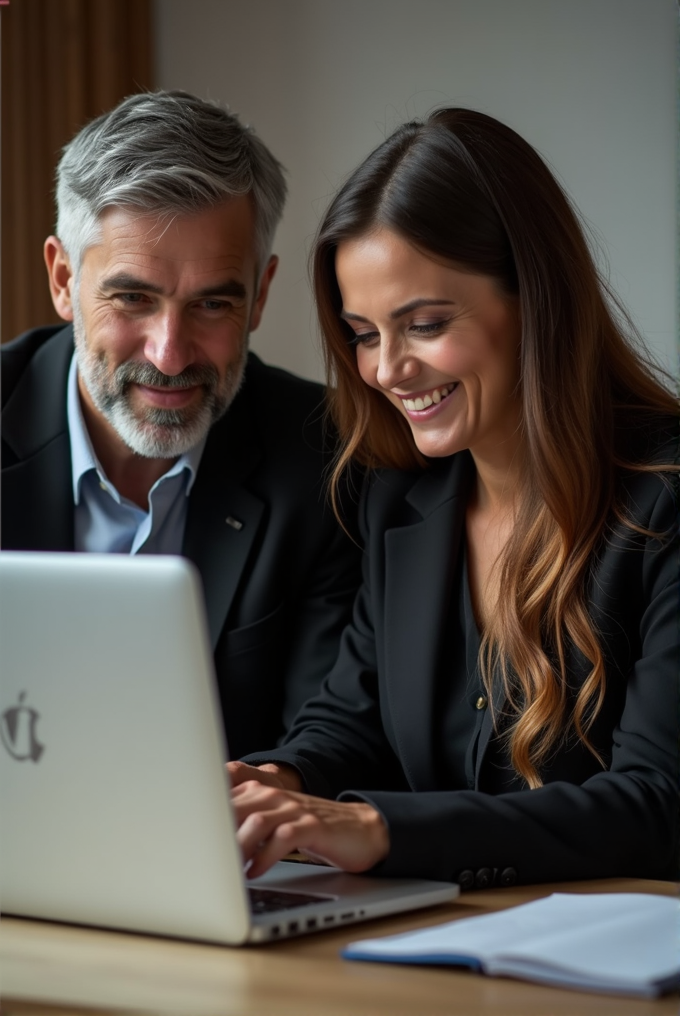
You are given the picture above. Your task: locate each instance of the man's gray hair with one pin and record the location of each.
(165, 152)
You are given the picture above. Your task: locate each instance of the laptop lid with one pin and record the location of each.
(114, 799)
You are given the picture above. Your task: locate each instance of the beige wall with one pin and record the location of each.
(591, 83)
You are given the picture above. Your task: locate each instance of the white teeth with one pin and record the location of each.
(425, 401)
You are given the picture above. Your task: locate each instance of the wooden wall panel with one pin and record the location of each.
(62, 62)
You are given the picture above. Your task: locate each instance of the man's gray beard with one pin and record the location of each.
(155, 433)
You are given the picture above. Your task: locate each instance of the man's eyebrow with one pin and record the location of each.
(400, 311)
(230, 288)
(126, 283)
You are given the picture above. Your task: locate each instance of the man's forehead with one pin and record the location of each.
(217, 239)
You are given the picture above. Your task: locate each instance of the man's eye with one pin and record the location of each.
(214, 304)
(129, 298)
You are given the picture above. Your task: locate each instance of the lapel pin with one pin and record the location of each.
(234, 523)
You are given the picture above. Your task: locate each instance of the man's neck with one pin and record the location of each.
(134, 478)
(132, 475)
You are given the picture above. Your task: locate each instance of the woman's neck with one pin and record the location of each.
(499, 479)
(489, 522)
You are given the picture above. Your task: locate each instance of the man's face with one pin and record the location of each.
(162, 309)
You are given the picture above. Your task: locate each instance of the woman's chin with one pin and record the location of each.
(438, 449)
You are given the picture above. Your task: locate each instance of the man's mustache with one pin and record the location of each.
(204, 374)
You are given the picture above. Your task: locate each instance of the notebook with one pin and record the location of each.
(114, 799)
(619, 943)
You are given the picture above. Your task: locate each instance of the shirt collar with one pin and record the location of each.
(83, 457)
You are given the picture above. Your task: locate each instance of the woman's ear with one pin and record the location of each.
(60, 276)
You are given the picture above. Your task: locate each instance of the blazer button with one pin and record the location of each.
(483, 878)
(466, 879)
(482, 702)
(508, 877)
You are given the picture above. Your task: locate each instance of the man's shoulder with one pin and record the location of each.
(263, 379)
(17, 355)
(282, 405)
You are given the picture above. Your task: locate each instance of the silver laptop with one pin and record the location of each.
(114, 802)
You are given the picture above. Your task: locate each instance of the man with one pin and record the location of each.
(145, 426)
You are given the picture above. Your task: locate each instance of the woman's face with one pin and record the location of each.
(441, 344)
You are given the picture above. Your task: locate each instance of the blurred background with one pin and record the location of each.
(590, 83)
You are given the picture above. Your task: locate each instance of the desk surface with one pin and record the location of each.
(55, 970)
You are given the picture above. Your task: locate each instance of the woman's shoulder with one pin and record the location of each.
(650, 441)
(400, 496)
(649, 473)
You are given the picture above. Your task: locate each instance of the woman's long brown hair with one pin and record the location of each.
(465, 188)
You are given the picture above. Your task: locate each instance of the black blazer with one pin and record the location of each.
(370, 732)
(278, 590)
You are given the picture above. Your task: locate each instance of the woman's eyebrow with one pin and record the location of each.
(412, 305)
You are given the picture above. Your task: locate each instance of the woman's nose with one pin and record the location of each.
(396, 364)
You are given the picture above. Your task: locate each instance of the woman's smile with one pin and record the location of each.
(417, 406)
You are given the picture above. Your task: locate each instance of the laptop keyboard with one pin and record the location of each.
(266, 901)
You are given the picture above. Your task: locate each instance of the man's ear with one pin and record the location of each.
(60, 275)
(261, 298)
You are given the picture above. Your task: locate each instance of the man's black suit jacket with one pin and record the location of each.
(373, 729)
(278, 590)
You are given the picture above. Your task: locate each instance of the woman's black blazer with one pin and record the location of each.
(369, 734)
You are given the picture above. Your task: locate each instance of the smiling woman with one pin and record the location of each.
(504, 707)
(441, 344)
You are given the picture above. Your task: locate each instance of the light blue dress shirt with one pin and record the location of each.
(105, 522)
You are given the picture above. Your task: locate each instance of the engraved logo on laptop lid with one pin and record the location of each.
(17, 731)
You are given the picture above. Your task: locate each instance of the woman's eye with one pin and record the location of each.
(428, 327)
(364, 338)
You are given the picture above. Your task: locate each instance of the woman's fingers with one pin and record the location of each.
(259, 812)
(239, 772)
(271, 775)
(273, 822)
(282, 841)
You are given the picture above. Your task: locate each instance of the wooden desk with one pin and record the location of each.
(53, 970)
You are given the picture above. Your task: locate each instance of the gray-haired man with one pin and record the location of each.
(145, 426)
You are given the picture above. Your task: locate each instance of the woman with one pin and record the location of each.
(505, 704)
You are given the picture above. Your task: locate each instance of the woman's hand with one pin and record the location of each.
(271, 775)
(274, 821)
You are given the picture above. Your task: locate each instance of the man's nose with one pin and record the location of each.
(167, 344)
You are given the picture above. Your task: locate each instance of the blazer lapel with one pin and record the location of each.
(38, 501)
(37, 490)
(420, 560)
(223, 517)
(486, 730)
